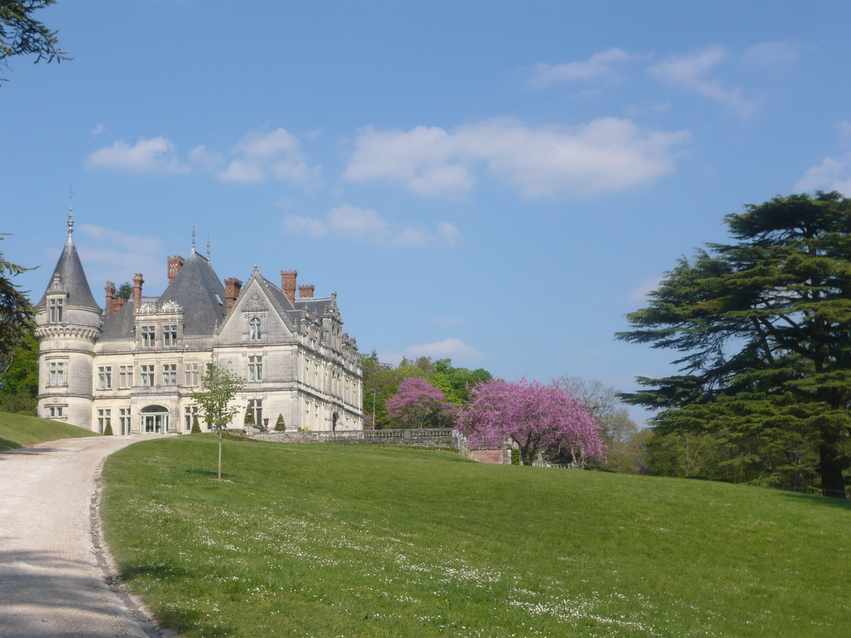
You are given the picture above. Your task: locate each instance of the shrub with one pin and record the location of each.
(108, 430)
(515, 456)
(249, 416)
(196, 428)
(280, 426)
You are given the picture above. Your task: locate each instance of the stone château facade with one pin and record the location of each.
(136, 364)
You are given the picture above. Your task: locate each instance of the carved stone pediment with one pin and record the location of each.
(255, 304)
(147, 308)
(171, 308)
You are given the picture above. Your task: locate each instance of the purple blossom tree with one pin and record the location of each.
(419, 404)
(538, 418)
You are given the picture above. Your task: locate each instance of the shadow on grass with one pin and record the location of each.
(181, 619)
(818, 499)
(6, 444)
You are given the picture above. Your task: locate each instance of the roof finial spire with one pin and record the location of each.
(71, 216)
(208, 242)
(193, 234)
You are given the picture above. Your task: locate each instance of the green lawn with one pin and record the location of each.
(323, 540)
(17, 430)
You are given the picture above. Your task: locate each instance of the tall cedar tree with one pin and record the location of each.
(20, 34)
(16, 313)
(764, 329)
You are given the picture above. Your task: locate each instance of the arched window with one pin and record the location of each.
(254, 330)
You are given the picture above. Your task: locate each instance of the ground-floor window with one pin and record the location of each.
(257, 404)
(54, 411)
(189, 413)
(124, 420)
(153, 419)
(103, 420)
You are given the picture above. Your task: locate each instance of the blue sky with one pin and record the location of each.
(498, 183)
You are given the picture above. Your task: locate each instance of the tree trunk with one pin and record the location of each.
(220, 454)
(830, 468)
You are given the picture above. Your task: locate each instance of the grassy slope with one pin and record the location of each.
(317, 540)
(17, 430)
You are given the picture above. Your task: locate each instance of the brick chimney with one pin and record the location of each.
(110, 298)
(288, 279)
(137, 291)
(232, 288)
(174, 265)
(306, 292)
(118, 305)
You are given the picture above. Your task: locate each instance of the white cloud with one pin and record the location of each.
(690, 73)
(98, 129)
(767, 54)
(276, 154)
(205, 159)
(116, 256)
(447, 349)
(365, 224)
(597, 67)
(604, 155)
(640, 292)
(156, 155)
(834, 173)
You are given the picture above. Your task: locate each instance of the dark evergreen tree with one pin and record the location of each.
(763, 327)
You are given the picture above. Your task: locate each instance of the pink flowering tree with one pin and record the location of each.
(419, 404)
(538, 418)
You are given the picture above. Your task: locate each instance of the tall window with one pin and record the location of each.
(169, 335)
(189, 413)
(147, 374)
(254, 330)
(103, 420)
(56, 307)
(149, 336)
(257, 404)
(125, 376)
(170, 374)
(104, 377)
(190, 374)
(57, 373)
(255, 368)
(124, 420)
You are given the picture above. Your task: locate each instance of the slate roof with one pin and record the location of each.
(317, 305)
(73, 279)
(201, 295)
(120, 325)
(196, 289)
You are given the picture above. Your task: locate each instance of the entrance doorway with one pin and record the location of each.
(154, 419)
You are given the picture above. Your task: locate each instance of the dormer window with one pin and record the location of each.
(254, 328)
(55, 310)
(170, 335)
(149, 336)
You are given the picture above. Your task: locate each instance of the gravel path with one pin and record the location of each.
(56, 579)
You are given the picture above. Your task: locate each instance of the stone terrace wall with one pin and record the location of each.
(443, 437)
(446, 438)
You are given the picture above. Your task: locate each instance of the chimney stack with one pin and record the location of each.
(137, 291)
(306, 292)
(118, 305)
(232, 288)
(288, 284)
(110, 299)
(174, 265)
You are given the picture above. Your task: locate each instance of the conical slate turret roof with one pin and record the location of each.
(72, 279)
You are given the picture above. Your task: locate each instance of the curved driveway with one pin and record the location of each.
(54, 576)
